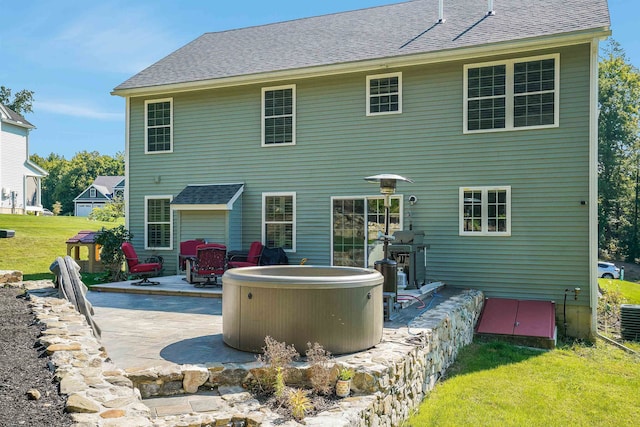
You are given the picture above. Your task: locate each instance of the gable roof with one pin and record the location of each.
(208, 197)
(10, 116)
(388, 33)
(107, 183)
(103, 184)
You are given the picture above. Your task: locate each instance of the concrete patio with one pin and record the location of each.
(162, 332)
(177, 323)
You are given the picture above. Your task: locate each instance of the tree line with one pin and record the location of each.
(68, 178)
(618, 156)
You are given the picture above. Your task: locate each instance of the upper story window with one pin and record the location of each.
(279, 115)
(279, 220)
(514, 94)
(158, 222)
(384, 94)
(92, 192)
(158, 125)
(485, 211)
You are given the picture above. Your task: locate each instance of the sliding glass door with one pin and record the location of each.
(356, 224)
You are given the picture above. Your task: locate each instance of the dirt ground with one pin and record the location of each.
(24, 367)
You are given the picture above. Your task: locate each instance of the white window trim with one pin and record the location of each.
(92, 192)
(146, 125)
(293, 114)
(509, 95)
(485, 209)
(293, 222)
(368, 93)
(146, 223)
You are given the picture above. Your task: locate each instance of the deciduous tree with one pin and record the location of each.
(21, 103)
(618, 153)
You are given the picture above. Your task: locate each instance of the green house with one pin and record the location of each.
(267, 133)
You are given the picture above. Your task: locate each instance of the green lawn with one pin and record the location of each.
(616, 292)
(494, 383)
(497, 384)
(39, 240)
(630, 290)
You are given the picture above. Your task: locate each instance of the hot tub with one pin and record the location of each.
(337, 307)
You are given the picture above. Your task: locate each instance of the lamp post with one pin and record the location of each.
(387, 267)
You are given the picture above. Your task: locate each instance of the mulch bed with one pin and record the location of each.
(24, 366)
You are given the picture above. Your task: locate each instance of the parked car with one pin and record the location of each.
(46, 212)
(608, 270)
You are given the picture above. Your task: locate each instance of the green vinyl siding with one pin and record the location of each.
(217, 139)
(208, 225)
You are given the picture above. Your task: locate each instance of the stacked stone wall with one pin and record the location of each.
(390, 380)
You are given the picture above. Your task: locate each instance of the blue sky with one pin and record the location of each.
(73, 53)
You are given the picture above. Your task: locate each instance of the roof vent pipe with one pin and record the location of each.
(441, 19)
(490, 11)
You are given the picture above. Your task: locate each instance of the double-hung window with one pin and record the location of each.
(279, 115)
(514, 94)
(92, 192)
(485, 211)
(158, 222)
(384, 94)
(279, 220)
(158, 125)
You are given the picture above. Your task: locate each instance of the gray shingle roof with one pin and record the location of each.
(380, 32)
(215, 194)
(107, 182)
(9, 114)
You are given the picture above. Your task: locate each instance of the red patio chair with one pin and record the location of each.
(252, 258)
(144, 270)
(210, 263)
(188, 250)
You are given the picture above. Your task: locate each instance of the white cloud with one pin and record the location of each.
(77, 110)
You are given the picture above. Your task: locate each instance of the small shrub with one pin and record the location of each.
(609, 311)
(345, 374)
(279, 385)
(276, 357)
(110, 212)
(320, 364)
(111, 255)
(57, 208)
(299, 403)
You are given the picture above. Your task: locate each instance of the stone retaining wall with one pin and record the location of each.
(390, 381)
(10, 276)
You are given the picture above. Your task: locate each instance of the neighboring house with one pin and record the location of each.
(103, 190)
(20, 178)
(266, 133)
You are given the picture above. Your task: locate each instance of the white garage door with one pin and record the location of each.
(83, 209)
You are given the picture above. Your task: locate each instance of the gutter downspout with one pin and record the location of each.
(490, 11)
(127, 176)
(593, 189)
